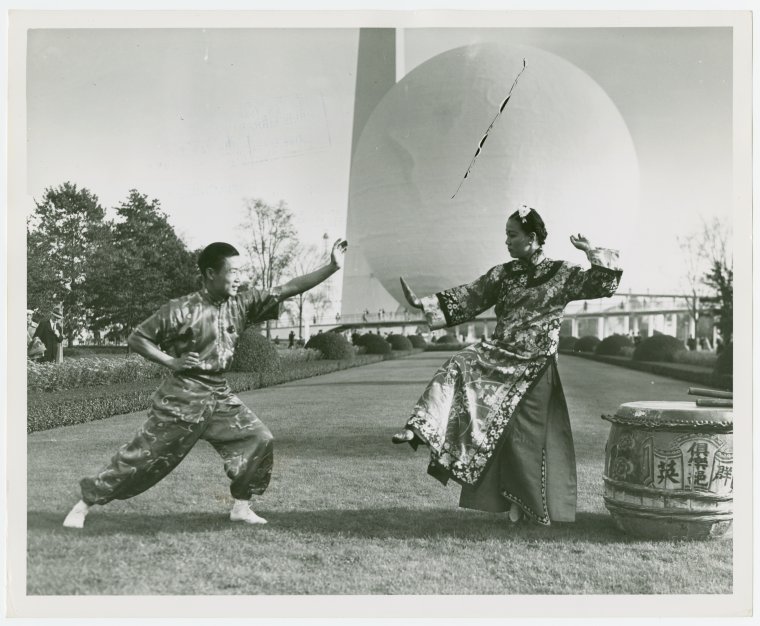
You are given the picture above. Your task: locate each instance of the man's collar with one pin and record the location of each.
(213, 300)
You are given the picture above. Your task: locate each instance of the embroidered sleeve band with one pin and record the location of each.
(604, 257)
(433, 312)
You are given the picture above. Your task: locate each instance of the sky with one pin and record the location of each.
(202, 119)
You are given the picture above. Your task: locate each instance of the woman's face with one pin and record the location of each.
(520, 244)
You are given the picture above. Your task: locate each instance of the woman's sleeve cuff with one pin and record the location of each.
(604, 257)
(433, 312)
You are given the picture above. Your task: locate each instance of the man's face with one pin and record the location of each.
(226, 281)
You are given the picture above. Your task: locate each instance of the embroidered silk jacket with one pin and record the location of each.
(198, 323)
(470, 400)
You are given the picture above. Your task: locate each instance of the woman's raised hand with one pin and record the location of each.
(580, 242)
(410, 296)
(338, 255)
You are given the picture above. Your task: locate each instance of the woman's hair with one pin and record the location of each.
(532, 223)
(213, 256)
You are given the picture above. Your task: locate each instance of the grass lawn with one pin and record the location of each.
(349, 513)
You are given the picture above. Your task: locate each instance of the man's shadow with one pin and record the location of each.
(392, 523)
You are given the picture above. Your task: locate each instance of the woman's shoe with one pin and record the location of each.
(403, 436)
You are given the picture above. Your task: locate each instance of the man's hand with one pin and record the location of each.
(580, 242)
(187, 361)
(338, 256)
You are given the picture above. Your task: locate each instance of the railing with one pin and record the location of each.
(617, 305)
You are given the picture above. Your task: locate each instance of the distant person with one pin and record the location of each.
(35, 349)
(691, 343)
(277, 341)
(718, 345)
(494, 415)
(50, 333)
(337, 317)
(31, 326)
(291, 339)
(195, 337)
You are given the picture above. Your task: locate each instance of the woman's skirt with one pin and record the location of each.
(534, 462)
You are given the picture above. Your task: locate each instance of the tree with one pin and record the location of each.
(61, 234)
(271, 242)
(138, 265)
(720, 276)
(305, 259)
(708, 267)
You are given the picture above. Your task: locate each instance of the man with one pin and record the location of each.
(50, 333)
(35, 349)
(195, 337)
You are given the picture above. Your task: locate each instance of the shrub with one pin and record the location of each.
(375, 344)
(255, 353)
(90, 372)
(75, 352)
(568, 342)
(662, 348)
(627, 351)
(444, 347)
(612, 345)
(700, 358)
(447, 339)
(724, 364)
(399, 342)
(417, 341)
(294, 356)
(332, 346)
(587, 343)
(77, 406)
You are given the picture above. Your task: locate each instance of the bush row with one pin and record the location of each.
(655, 349)
(77, 406)
(89, 372)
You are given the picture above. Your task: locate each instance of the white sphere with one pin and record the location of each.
(560, 146)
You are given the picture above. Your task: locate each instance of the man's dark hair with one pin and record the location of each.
(532, 223)
(213, 255)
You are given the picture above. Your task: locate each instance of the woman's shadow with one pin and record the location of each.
(393, 523)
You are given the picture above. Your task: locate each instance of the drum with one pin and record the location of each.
(668, 470)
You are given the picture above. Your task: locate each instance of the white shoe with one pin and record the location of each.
(75, 518)
(241, 512)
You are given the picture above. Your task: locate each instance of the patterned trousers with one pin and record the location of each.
(183, 411)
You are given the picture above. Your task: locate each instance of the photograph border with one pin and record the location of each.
(18, 604)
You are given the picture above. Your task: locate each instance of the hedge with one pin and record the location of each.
(658, 348)
(417, 341)
(332, 346)
(90, 372)
(447, 339)
(444, 347)
(255, 353)
(724, 364)
(567, 342)
(77, 406)
(399, 342)
(374, 344)
(587, 343)
(613, 345)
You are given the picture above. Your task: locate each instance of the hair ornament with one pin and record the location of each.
(523, 212)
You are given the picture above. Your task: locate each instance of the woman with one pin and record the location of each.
(494, 415)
